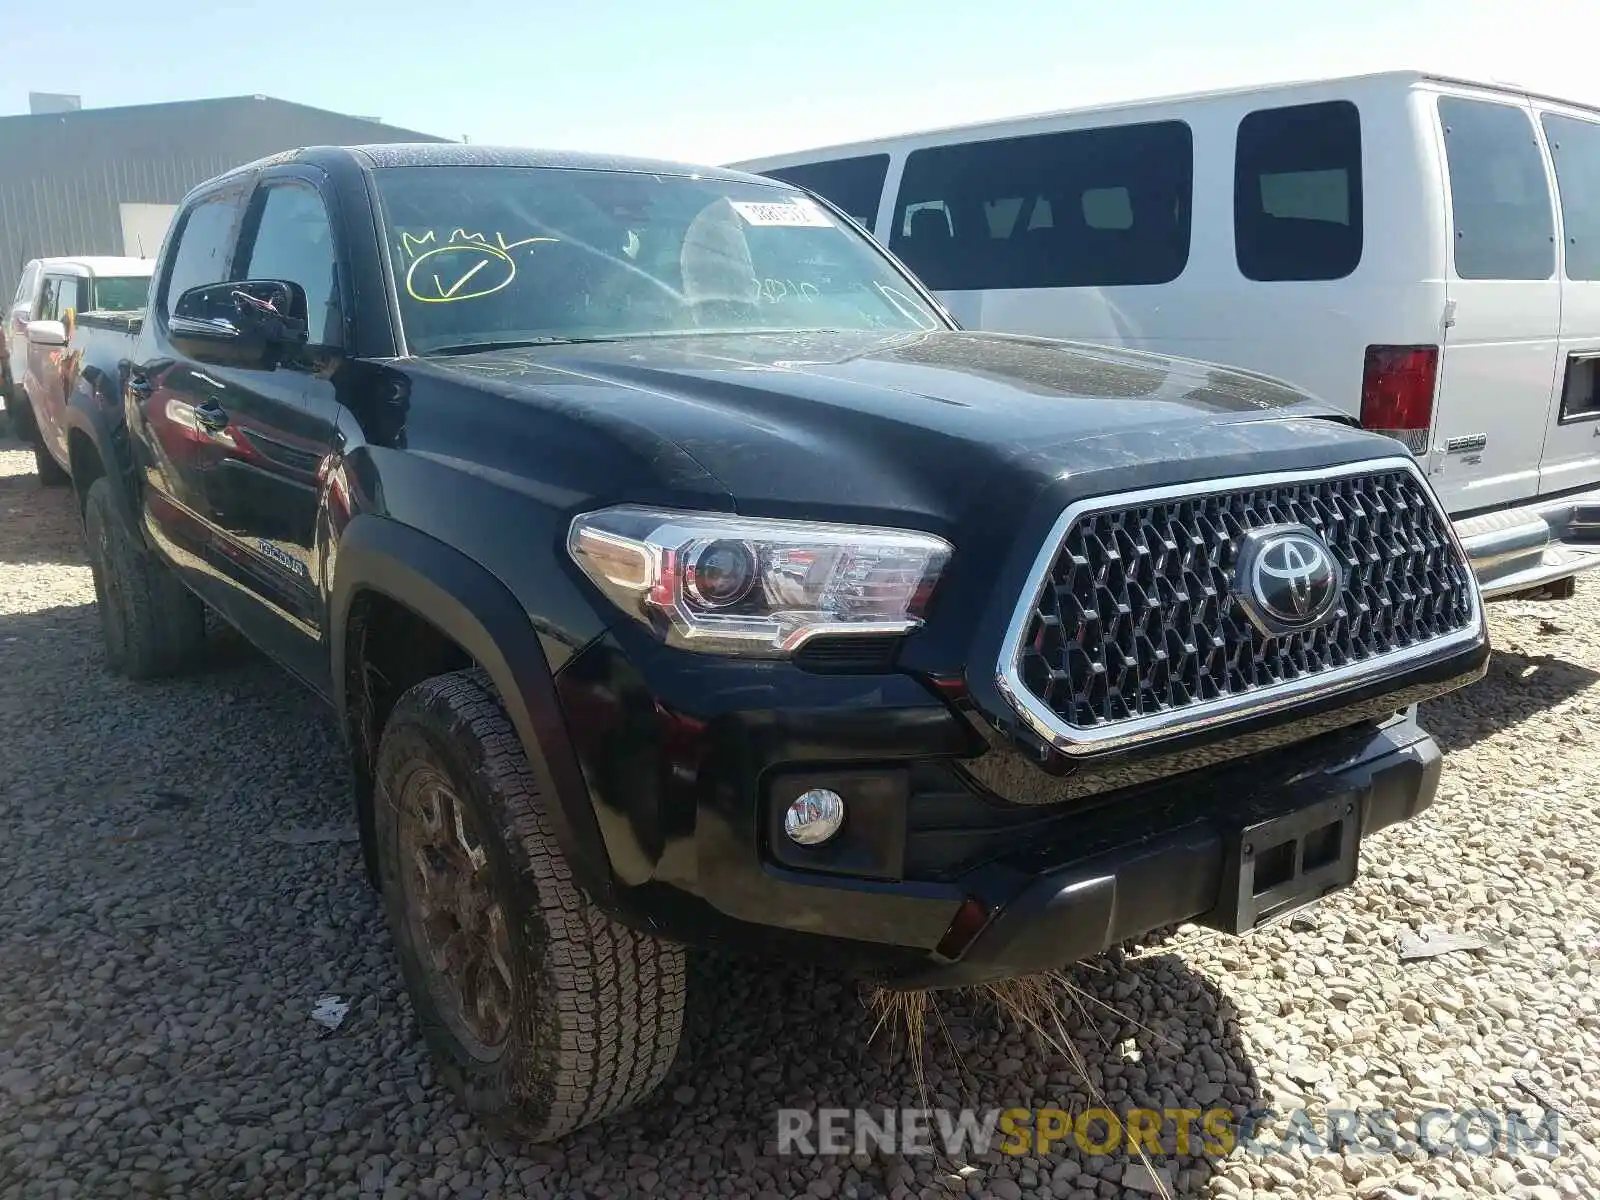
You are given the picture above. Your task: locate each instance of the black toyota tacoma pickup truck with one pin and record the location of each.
(682, 575)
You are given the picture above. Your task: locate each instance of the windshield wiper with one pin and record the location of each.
(506, 344)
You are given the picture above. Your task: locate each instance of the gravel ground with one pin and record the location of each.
(164, 937)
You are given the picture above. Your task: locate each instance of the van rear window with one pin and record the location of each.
(1575, 146)
(1100, 207)
(854, 184)
(1297, 192)
(1499, 196)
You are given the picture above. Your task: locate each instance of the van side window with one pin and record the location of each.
(854, 184)
(1499, 196)
(1575, 146)
(913, 218)
(1297, 192)
(1103, 207)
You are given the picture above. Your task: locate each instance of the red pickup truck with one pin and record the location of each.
(37, 364)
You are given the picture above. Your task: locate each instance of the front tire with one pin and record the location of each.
(152, 624)
(20, 414)
(544, 1014)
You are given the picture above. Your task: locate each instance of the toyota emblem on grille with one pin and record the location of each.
(1286, 579)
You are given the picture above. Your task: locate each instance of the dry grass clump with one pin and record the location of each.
(1041, 1003)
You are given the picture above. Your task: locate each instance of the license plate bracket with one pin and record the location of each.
(1280, 863)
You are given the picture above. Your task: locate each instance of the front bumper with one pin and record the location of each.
(1119, 878)
(1534, 545)
(945, 874)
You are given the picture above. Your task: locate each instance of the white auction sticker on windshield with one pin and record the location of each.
(799, 211)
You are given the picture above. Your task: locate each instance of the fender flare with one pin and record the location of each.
(478, 612)
(86, 418)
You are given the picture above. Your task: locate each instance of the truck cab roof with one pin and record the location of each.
(456, 154)
(97, 266)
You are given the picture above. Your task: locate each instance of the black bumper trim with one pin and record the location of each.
(1097, 902)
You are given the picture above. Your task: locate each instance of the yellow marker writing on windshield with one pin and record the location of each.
(409, 244)
(466, 271)
(466, 267)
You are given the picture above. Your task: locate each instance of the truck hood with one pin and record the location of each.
(926, 423)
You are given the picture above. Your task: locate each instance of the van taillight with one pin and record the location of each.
(1397, 392)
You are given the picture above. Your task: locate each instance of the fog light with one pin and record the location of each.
(814, 817)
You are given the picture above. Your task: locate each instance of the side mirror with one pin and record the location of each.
(255, 323)
(47, 333)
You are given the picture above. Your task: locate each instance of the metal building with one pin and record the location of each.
(105, 181)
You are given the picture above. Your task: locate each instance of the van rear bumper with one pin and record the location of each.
(1534, 545)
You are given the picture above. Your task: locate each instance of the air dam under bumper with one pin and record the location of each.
(1519, 549)
(1143, 882)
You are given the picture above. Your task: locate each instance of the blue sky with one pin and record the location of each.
(713, 81)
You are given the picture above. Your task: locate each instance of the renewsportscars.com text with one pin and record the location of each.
(1216, 1132)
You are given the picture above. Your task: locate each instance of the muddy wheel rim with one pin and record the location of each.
(457, 923)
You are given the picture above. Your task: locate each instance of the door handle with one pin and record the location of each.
(211, 416)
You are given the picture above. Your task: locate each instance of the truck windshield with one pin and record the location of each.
(118, 293)
(486, 256)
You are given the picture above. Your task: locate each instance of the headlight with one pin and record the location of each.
(724, 584)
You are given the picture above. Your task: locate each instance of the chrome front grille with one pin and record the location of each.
(1128, 628)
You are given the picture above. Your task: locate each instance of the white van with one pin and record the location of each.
(1420, 250)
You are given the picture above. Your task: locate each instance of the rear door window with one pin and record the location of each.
(854, 184)
(1100, 207)
(1499, 195)
(1575, 146)
(120, 293)
(1297, 192)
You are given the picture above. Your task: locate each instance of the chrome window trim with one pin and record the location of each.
(1134, 731)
